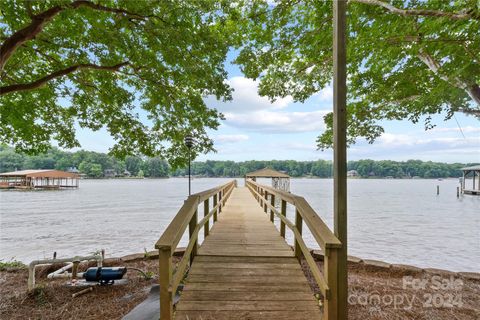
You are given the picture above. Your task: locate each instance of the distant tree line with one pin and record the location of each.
(95, 165)
(92, 164)
(324, 169)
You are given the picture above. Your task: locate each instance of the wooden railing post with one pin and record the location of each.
(215, 217)
(265, 202)
(165, 279)
(298, 225)
(272, 203)
(284, 213)
(206, 210)
(220, 195)
(191, 228)
(330, 309)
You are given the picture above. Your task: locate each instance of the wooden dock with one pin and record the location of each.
(244, 269)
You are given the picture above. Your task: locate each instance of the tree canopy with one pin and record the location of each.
(139, 69)
(406, 59)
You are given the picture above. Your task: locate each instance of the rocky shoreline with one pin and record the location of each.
(377, 290)
(318, 255)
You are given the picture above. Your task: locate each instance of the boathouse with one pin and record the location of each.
(474, 171)
(38, 179)
(280, 180)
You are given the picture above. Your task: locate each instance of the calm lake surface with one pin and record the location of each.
(398, 221)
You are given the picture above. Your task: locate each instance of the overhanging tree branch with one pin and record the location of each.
(472, 89)
(42, 81)
(421, 12)
(11, 44)
(89, 4)
(29, 32)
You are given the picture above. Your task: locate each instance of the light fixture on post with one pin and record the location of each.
(189, 143)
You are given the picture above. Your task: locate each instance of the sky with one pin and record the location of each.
(257, 129)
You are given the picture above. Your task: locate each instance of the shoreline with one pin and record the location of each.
(319, 256)
(377, 290)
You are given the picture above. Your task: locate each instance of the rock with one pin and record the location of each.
(179, 251)
(318, 255)
(148, 255)
(133, 257)
(354, 259)
(112, 260)
(376, 263)
(470, 275)
(407, 268)
(152, 254)
(441, 272)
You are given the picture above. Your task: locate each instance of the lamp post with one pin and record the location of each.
(189, 143)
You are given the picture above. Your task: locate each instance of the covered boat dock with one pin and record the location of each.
(280, 180)
(38, 179)
(475, 171)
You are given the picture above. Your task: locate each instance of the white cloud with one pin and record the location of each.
(394, 140)
(467, 129)
(425, 146)
(326, 94)
(404, 140)
(246, 98)
(277, 122)
(230, 138)
(299, 146)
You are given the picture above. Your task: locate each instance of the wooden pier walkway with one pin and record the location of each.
(244, 269)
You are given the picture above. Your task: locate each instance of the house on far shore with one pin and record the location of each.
(109, 173)
(73, 170)
(352, 173)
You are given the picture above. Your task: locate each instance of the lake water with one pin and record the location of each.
(398, 221)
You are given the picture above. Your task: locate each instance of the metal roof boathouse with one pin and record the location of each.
(38, 179)
(475, 171)
(280, 180)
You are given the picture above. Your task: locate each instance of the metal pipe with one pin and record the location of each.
(58, 273)
(35, 263)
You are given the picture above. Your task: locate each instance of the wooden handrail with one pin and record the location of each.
(170, 279)
(320, 231)
(327, 282)
(175, 230)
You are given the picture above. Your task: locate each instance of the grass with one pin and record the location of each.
(12, 264)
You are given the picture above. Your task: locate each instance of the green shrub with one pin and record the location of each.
(12, 264)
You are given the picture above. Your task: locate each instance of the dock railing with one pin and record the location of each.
(327, 282)
(170, 279)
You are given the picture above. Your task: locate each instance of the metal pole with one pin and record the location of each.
(340, 149)
(189, 175)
